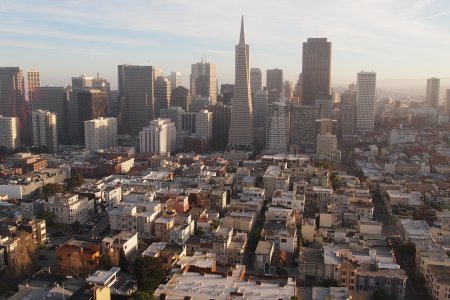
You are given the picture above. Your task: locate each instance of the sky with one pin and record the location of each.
(398, 39)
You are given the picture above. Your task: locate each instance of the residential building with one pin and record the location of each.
(203, 125)
(277, 129)
(348, 115)
(9, 132)
(432, 93)
(365, 101)
(44, 125)
(123, 241)
(69, 208)
(263, 257)
(100, 133)
(158, 138)
(241, 125)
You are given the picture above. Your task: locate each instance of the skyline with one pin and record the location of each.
(396, 40)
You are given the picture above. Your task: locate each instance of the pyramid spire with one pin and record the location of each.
(242, 36)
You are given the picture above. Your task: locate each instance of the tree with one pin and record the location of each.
(381, 295)
(335, 181)
(123, 262)
(148, 272)
(105, 262)
(75, 181)
(52, 189)
(48, 216)
(140, 295)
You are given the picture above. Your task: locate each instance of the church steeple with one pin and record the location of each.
(242, 36)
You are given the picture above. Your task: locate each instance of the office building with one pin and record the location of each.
(274, 84)
(325, 105)
(158, 137)
(12, 92)
(241, 126)
(260, 102)
(255, 79)
(9, 132)
(101, 84)
(181, 97)
(200, 102)
(44, 126)
(174, 114)
(348, 115)
(162, 94)
(54, 99)
(447, 100)
(92, 104)
(277, 132)
(82, 82)
(365, 101)
(288, 89)
(316, 69)
(204, 80)
(227, 92)
(100, 133)
(188, 121)
(303, 128)
(33, 81)
(136, 92)
(221, 117)
(298, 91)
(203, 125)
(326, 144)
(432, 96)
(175, 80)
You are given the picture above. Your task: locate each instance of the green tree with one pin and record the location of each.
(75, 181)
(335, 181)
(148, 272)
(381, 295)
(123, 262)
(52, 189)
(105, 262)
(140, 295)
(48, 216)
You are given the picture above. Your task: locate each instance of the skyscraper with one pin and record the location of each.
(181, 97)
(204, 80)
(136, 92)
(277, 132)
(288, 89)
(325, 105)
(303, 128)
(256, 79)
(365, 101)
(203, 125)
(91, 105)
(9, 132)
(348, 115)
(260, 99)
(221, 116)
(53, 99)
(175, 80)
(432, 96)
(162, 94)
(241, 126)
(447, 100)
(158, 137)
(274, 84)
(12, 92)
(100, 133)
(82, 82)
(316, 69)
(45, 129)
(33, 81)
(200, 102)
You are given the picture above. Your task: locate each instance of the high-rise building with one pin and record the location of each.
(447, 100)
(174, 114)
(200, 102)
(348, 115)
(158, 137)
(227, 92)
(100, 133)
(260, 102)
(9, 132)
(203, 125)
(316, 69)
(303, 128)
(326, 144)
(241, 126)
(45, 129)
(256, 79)
(288, 89)
(82, 82)
(162, 94)
(136, 92)
(53, 99)
(221, 117)
(188, 121)
(204, 80)
(432, 96)
(325, 105)
(175, 80)
(365, 101)
(181, 97)
(277, 132)
(33, 81)
(12, 92)
(274, 84)
(92, 104)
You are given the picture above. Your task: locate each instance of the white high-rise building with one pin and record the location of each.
(241, 125)
(277, 132)
(158, 138)
(45, 130)
(9, 132)
(432, 96)
(255, 79)
(100, 133)
(175, 80)
(203, 125)
(365, 101)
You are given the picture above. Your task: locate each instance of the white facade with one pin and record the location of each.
(100, 133)
(203, 125)
(9, 132)
(68, 209)
(401, 136)
(158, 138)
(256, 79)
(365, 101)
(45, 129)
(277, 131)
(175, 79)
(326, 144)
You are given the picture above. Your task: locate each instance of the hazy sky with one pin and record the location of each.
(62, 38)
